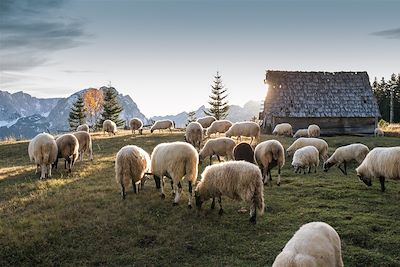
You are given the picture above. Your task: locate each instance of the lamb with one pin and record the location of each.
(219, 126)
(136, 124)
(85, 143)
(246, 128)
(68, 148)
(42, 150)
(301, 133)
(109, 127)
(345, 154)
(378, 132)
(382, 163)
(284, 129)
(243, 151)
(175, 160)
(206, 121)
(194, 134)
(269, 154)
(314, 130)
(131, 164)
(304, 157)
(239, 180)
(162, 125)
(319, 144)
(83, 127)
(221, 146)
(314, 244)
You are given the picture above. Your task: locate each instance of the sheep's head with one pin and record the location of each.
(363, 178)
(327, 165)
(198, 199)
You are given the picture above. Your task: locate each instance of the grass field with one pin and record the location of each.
(80, 219)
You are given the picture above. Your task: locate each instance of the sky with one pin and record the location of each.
(164, 54)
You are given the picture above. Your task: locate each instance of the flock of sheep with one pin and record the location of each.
(241, 177)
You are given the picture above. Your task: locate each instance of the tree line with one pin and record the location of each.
(382, 90)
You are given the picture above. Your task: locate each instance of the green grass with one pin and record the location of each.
(80, 219)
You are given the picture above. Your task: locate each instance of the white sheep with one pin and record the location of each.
(239, 180)
(378, 132)
(314, 130)
(109, 127)
(136, 124)
(42, 150)
(269, 154)
(346, 154)
(83, 127)
(221, 146)
(382, 163)
(314, 244)
(219, 126)
(245, 128)
(194, 134)
(283, 129)
(206, 121)
(131, 164)
(319, 144)
(162, 125)
(301, 133)
(304, 157)
(85, 144)
(175, 161)
(68, 148)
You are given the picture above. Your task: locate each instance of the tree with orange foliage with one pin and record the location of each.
(93, 99)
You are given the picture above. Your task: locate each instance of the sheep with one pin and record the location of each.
(131, 164)
(283, 129)
(243, 151)
(378, 132)
(345, 154)
(109, 127)
(221, 146)
(382, 163)
(42, 150)
(161, 125)
(319, 144)
(269, 154)
(175, 160)
(85, 143)
(239, 180)
(136, 124)
(313, 130)
(68, 148)
(219, 126)
(194, 134)
(301, 133)
(206, 121)
(246, 128)
(314, 244)
(83, 127)
(304, 157)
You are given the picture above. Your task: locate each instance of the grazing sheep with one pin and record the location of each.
(206, 121)
(194, 134)
(175, 161)
(314, 244)
(245, 128)
(345, 154)
(382, 163)
(283, 129)
(85, 143)
(243, 151)
(109, 127)
(162, 125)
(319, 144)
(269, 154)
(42, 150)
(314, 130)
(378, 132)
(220, 126)
(239, 180)
(301, 133)
(131, 164)
(136, 124)
(83, 127)
(304, 157)
(68, 148)
(221, 146)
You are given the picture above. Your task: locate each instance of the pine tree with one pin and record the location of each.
(219, 105)
(77, 114)
(191, 117)
(111, 108)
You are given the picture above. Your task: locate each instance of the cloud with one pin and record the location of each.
(389, 34)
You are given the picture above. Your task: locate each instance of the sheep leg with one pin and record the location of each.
(122, 191)
(210, 160)
(190, 194)
(43, 171)
(220, 205)
(309, 169)
(49, 170)
(279, 176)
(219, 159)
(134, 186)
(172, 187)
(253, 212)
(265, 175)
(213, 203)
(81, 156)
(178, 190)
(382, 180)
(343, 171)
(345, 168)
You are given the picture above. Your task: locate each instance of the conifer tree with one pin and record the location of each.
(111, 108)
(191, 117)
(77, 114)
(219, 105)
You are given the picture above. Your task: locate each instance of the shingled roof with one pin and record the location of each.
(319, 94)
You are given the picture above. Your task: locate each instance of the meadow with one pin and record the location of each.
(79, 219)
